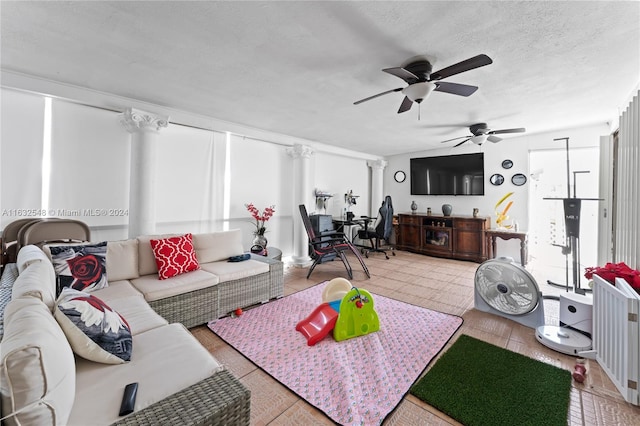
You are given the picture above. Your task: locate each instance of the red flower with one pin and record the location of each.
(86, 269)
(260, 218)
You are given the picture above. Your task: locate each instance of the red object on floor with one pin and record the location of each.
(317, 325)
(579, 373)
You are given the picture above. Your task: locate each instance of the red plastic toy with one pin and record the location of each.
(317, 325)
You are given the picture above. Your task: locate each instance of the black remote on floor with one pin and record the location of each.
(129, 399)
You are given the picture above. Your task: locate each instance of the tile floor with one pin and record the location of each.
(443, 285)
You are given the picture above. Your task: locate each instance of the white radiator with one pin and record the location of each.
(616, 335)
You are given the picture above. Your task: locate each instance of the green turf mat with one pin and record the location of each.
(478, 383)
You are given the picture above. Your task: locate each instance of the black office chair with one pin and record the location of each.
(381, 230)
(327, 246)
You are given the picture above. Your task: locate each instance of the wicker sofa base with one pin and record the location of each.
(191, 309)
(242, 293)
(201, 306)
(218, 400)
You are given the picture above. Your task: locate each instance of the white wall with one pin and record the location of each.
(338, 175)
(514, 148)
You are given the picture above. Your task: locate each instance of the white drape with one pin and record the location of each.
(258, 174)
(185, 180)
(89, 165)
(22, 118)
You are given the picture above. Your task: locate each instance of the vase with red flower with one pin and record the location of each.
(260, 220)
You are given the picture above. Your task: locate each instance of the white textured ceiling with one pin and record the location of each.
(297, 67)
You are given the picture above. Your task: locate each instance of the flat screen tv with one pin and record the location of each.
(461, 174)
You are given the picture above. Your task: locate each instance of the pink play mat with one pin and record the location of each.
(356, 381)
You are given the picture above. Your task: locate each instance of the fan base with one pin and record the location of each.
(564, 340)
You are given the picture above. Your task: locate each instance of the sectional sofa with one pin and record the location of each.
(45, 381)
(211, 292)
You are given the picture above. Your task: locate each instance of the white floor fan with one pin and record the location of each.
(504, 288)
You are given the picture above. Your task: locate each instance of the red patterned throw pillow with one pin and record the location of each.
(174, 256)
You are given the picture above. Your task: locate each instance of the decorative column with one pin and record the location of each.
(377, 183)
(144, 128)
(301, 195)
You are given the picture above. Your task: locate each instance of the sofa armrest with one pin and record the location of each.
(276, 275)
(220, 399)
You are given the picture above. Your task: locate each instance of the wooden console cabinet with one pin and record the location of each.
(456, 237)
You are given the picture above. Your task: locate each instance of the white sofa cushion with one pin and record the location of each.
(118, 290)
(37, 363)
(27, 255)
(216, 246)
(37, 280)
(122, 260)
(139, 315)
(166, 360)
(154, 288)
(229, 271)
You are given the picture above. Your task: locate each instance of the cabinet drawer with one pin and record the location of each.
(469, 225)
(409, 220)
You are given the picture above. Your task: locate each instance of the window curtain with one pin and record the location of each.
(188, 179)
(259, 172)
(21, 136)
(90, 156)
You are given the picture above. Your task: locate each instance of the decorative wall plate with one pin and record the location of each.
(507, 164)
(399, 176)
(496, 179)
(518, 179)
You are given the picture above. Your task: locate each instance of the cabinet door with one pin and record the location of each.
(469, 239)
(409, 237)
(437, 241)
(469, 243)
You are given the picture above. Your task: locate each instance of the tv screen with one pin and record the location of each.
(461, 174)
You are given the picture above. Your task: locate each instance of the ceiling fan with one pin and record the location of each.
(416, 72)
(480, 133)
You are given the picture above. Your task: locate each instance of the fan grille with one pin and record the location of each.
(507, 287)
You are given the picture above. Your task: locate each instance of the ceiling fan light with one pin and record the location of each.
(418, 92)
(479, 139)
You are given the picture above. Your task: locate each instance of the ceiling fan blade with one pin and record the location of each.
(455, 88)
(466, 65)
(494, 139)
(379, 94)
(460, 143)
(460, 137)
(405, 105)
(497, 132)
(400, 72)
